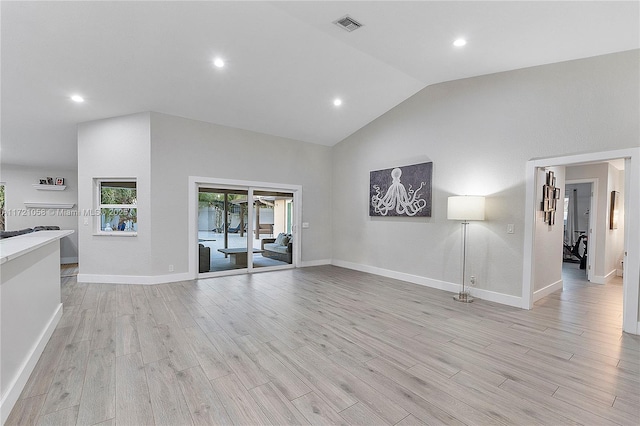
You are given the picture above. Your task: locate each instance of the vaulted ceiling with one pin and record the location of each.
(285, 62)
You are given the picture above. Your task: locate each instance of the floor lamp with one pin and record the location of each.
(465, 208)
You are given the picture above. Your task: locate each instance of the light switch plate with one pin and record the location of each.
(510, 228)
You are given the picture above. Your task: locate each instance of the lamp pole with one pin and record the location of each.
(463, 296)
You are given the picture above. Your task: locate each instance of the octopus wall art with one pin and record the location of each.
(401, 191)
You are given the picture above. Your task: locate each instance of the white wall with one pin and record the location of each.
(583, 193)
(19, 189)
(548, 238)
(615, 237)
(181, 148)
(479, 133)
(161, 152)
(114, 148)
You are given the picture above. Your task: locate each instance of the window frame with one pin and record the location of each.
(99, 206)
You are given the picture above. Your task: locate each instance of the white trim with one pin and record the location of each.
(529, 236)
(631, 279)
(319, 262)
(115, 234)
(133, 279)
(67, 260)
(491, 296)
(15, 389)
(215, 274)
(599, 279)
(543, 292)
(40, 205)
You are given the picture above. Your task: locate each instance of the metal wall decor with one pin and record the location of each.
(550, 197)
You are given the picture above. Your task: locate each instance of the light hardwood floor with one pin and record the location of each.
(327, 345)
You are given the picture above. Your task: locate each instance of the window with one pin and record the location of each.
(117, 203)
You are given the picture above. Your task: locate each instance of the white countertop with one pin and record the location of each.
(11, 248)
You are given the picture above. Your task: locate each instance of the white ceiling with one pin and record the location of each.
(286, 61)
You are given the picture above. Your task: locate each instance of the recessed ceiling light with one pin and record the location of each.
(460, 42)
(337, 101)
(218, 62)
(77, 98)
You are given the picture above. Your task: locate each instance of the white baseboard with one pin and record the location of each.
(15, 389)
(504, 299)
(494, 296)
(543, 292)
(599, 279)
(67, 260)
(163, 279)
(320, 262)
(133, 279)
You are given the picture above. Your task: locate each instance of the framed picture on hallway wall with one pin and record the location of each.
(401, 191)
(614, 210)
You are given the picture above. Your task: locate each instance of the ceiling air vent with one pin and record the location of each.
(348, 23)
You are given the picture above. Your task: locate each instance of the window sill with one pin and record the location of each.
(115, 234)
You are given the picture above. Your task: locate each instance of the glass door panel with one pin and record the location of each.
(222, 229)
(271, 233)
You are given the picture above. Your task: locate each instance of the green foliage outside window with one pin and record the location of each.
(118, 194)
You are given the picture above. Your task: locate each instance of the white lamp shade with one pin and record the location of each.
(465, 207)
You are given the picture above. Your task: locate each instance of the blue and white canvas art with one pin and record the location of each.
(401, 191)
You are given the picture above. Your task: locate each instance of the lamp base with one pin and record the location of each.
(463, 297)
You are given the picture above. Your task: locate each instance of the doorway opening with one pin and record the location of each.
(631, 234)
(579, 225)
(242, 227)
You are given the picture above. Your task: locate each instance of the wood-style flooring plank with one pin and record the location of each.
(151, 343)
(247, 371)
(26, 411)
(68, 416)
(361, 415)
(336, 396)
(276, 406)
(167, 401)
(177, 345)
(326, 345)
(317, 411)
(133, 405)
(126, 335)
(410, 420)
(66, 389)
(204, 405)
(211, 361)
(98, 401)
(43, 373)
(240, 406)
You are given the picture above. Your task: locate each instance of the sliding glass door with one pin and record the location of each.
(245, 228)
(271, 230)
(222, 229)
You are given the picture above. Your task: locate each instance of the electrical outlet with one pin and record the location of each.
(170, 268)
(86, 221)
(473, 281)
